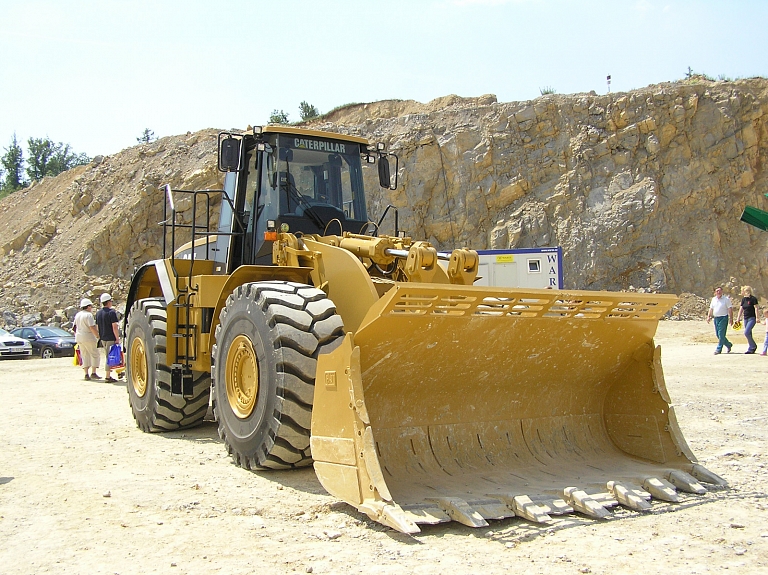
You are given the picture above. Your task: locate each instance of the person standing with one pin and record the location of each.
(87, 337)
(721, 310)
(748, 310)
(109, 330)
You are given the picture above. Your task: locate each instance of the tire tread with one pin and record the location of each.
(302, 323)
(167, 412)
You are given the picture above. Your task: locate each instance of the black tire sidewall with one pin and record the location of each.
(249, 435)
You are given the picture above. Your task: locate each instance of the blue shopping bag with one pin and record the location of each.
(115, 356)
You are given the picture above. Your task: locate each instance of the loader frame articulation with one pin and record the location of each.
(419, 397)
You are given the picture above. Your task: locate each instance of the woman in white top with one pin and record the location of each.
(87, 337)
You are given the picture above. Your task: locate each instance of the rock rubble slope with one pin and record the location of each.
(642, 189)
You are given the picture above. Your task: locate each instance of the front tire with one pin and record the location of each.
(267, 343)
(149, 376)
(47, 353)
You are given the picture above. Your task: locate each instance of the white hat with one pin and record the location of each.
(105, 297)
(85, 302)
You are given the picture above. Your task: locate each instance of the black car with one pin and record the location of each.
(48, 342)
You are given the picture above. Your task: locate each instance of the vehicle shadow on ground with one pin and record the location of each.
(206, 432)
(303, 479)
(510, 532)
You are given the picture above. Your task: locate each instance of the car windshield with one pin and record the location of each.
(53, 332)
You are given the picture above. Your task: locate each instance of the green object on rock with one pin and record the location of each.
(755, 217)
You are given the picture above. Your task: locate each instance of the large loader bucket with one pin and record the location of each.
(468, 403)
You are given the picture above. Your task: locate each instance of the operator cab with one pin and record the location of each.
(288, 179)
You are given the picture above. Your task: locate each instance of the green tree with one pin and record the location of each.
(47, 158)
(64, 159)
(278, 117)
(146, 137)
(40, 153)
(13, 163)
(307, 111)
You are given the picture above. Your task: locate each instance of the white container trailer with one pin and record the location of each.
(525, 267)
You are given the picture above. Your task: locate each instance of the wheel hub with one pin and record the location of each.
(138, 366)
(242, 377)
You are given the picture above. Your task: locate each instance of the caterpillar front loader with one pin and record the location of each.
(419, 397)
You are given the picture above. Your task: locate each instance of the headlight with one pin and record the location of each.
(64, 344)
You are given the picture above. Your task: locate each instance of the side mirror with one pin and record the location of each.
(229, 153)
(385, 180)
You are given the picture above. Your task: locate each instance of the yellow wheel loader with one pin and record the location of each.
(418, 397)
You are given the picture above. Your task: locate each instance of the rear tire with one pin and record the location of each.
(47, 353)
(267, 343)
(149, 376)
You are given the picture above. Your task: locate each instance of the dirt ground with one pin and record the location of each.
(82, 490)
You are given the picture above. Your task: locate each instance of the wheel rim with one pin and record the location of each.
(47, 354)
(242, 377)
(138, 367)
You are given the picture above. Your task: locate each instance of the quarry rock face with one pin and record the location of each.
(642, 189)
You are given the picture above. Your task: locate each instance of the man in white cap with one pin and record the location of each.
(109, 330)
(87, 336)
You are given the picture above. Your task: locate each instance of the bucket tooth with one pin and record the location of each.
(630, 496)
(460, 511)
(703, 474)
(605, 499)
(585, 503)
(491, 508)
(524, 507)
(426, 513)
(552, 506)
(389, 514)
(686, 482)
(661, 489)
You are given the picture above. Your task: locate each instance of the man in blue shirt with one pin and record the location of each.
(109, 329)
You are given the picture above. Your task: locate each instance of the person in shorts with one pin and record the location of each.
(109, 329)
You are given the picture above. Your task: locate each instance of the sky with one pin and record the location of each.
(96, 74)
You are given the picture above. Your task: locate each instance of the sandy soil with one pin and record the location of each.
(82, 490)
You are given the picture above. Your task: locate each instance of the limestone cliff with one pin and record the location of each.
(641, 189)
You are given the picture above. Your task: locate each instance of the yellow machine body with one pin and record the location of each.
(438, 400)
(455, 402)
